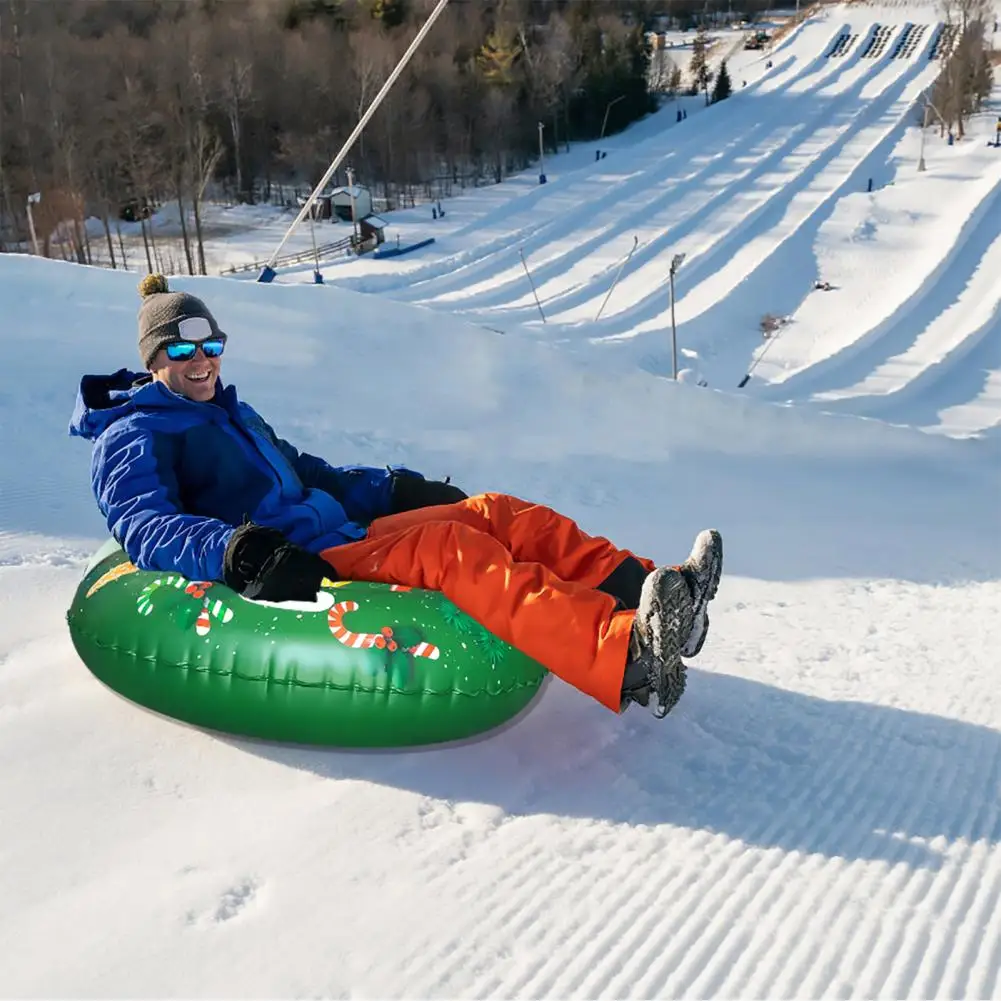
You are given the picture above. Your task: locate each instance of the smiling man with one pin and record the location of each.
(190, 366)
(192, 480)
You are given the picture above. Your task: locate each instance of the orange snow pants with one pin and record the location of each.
(523, 571)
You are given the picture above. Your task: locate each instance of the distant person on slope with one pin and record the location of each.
(193, 481)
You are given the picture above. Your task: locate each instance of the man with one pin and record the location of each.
(192, 480)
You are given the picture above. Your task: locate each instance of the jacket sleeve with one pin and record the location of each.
(137, 491)
(365, 492)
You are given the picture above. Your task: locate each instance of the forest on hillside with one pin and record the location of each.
(112, 106)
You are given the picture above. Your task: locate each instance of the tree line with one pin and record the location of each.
(112, 107)
(967, 76)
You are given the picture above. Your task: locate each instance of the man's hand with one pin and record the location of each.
(260, 563)
(411, 490)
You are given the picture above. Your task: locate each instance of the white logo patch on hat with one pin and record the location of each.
(194, 328)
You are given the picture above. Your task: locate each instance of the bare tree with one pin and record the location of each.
(17, 14)
(205, 150)
(699, 66)
(562, 69)
(372, 60)
(497, 115)
(966, 79)
(662, 66)
(237, 97)
(674, 81)
(136, 128)
(129, 102)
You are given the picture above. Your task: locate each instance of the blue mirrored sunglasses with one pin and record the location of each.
(186, 350)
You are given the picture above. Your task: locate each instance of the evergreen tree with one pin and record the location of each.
(722, 88)
(613, 67)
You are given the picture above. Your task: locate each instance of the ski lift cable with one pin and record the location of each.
(363, 121)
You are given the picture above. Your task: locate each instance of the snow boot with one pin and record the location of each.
(663, 622)
(702, 571)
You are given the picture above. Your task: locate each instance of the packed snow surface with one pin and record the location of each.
(821, 814)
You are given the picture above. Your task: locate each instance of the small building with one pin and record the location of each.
(340, 201)
(371, 233)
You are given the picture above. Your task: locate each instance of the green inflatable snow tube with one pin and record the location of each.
(365, 665)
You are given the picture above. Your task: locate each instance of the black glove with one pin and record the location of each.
(411, 490)
(261, 563)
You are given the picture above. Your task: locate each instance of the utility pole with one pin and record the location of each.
(542, 157)
(676, 263)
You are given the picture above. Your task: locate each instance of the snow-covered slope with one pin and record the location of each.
(818, 817)
(809, 172)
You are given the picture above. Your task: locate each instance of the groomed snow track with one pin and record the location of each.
(746, 190)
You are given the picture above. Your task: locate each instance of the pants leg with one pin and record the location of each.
(534, 533)
(570, 627)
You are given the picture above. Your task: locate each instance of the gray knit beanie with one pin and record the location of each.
(162, 315)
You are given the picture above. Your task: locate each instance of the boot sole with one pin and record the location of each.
(665, 625)
(695, 641)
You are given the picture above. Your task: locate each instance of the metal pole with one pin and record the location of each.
(636, 241)
(354, 211)
(317, 277)
(542, 157)
(674, 332)
(924, 126)
(608, 108)
(32, 199)
(372, 108)
(530, 282)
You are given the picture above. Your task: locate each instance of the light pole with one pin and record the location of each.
(33, 199)
(317, 277)
(607, 109)
(354, 211)
(676, 263)
(924, 126)
(542, 157)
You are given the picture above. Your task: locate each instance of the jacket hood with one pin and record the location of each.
(103, 399)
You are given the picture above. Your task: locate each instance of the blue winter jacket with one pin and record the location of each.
(173, 477)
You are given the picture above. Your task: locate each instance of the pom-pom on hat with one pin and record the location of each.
(165, 317)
